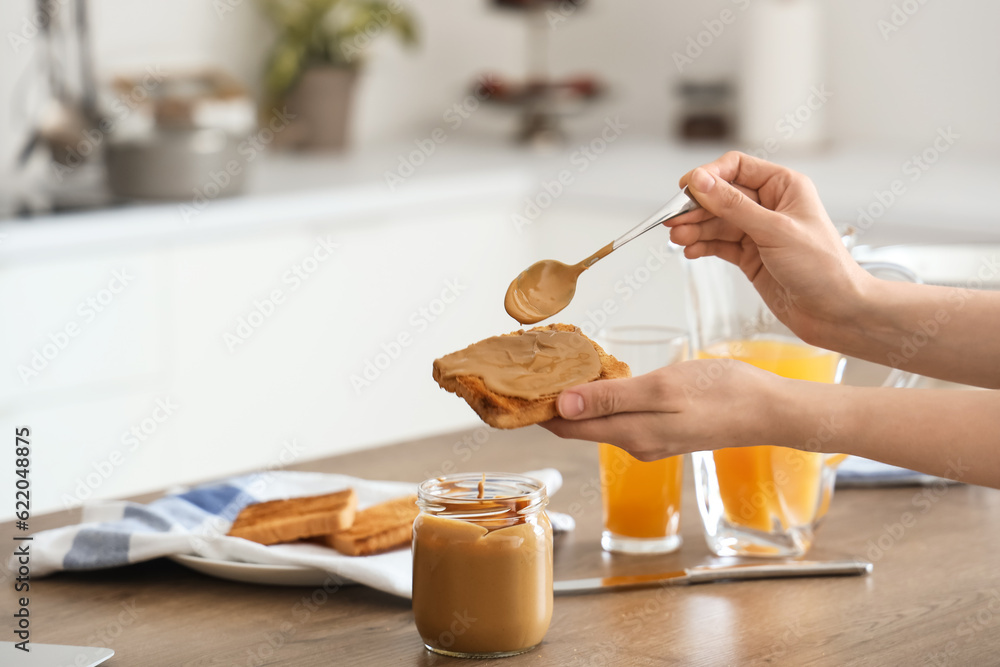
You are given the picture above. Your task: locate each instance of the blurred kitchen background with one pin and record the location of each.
(235, 233)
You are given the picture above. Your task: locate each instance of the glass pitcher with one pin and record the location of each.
(762, 500)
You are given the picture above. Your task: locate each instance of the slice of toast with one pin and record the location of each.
(501, 411)
(277, 521)
(378, 528)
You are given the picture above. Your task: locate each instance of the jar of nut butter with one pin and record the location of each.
(482, 564)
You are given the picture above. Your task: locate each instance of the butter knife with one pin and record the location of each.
(701, 574)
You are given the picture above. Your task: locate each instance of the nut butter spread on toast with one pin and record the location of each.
(513, 380)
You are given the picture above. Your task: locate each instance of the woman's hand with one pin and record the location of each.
(770, 222)
(687, 407)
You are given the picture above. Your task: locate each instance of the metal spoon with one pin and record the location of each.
(548, 286)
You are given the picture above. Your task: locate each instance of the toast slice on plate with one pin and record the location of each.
(377, 529)
(293, 519)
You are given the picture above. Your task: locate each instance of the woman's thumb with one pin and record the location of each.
(603, 398)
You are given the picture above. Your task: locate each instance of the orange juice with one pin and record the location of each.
(769, 488)
(641, 499)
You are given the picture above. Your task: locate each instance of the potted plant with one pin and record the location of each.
(314, 63)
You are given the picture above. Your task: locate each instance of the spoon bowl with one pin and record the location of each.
(541, 290)
(548, 286)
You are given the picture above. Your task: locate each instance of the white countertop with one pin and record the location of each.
(952, 200)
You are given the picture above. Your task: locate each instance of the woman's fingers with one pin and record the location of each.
(697, 215)
(742, 169)
(635, 432)
(715, 229)
(704, 215)
(717, 195)
(727, 250)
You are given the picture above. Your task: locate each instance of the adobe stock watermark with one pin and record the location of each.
(382, 19)
(580, 160)
(42, 356)
(599, 654)
(625, 289)
(770, 492)
(34, 23)
(131, 440)
(265, 307)
(107, 634)
(452, 118)
(714, 28)
(899, 15)
(463, 450)
(120, 108)
(928, 329)
(419, 321)
(913, 169)
(460, 624)
(655, 606)
(263, 651)
(922, 502)
(714, 368)
(218, 525)
(984, 618)
(557, 15)
(248, 149)
(788, 639)
(793, 121)
(590, 495)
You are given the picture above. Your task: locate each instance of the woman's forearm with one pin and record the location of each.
(950, 433)
(942, 332)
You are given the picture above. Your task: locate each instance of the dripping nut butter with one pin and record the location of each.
(482, 564)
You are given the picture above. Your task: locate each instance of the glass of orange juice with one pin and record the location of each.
(641, 500)
(761, 500)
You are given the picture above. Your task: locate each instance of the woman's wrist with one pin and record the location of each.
(808, 416)
(859, 321)
(779, 413)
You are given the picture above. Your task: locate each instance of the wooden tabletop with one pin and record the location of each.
(933, 599)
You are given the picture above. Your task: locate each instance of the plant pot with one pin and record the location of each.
(319, 104)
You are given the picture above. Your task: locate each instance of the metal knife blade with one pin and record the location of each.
(726, 572)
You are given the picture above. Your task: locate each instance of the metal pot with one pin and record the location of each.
(176, 164)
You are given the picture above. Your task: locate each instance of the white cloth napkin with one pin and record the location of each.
(195, 522)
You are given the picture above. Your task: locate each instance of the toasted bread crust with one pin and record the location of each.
(293, 519)
(508, 412)
(378, 528)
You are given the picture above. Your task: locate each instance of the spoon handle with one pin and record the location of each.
(681, 203)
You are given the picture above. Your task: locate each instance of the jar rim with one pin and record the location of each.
(458, 492)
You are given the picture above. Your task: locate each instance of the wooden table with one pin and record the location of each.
(933, 599)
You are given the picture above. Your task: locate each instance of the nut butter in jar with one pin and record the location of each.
(482, 564)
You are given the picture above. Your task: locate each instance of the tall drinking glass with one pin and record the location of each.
(641, 500)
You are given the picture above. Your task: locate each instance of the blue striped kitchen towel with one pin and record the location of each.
(195, 522)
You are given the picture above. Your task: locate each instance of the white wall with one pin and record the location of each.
(940, 68)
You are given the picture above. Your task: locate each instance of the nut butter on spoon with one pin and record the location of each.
(548, 286)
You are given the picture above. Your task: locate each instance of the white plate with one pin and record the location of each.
(256, 573)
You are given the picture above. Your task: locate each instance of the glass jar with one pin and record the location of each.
(482, 564)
